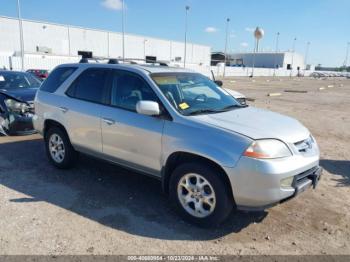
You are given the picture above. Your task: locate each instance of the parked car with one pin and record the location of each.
(211, 153)
(40, 73)
(17, 92)
(242, 99)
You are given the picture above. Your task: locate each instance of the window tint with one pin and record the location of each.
(128, 89)
(90, 86)
(56, 78)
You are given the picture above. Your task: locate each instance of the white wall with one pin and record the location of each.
(269, 60)
(9, 35)
(68, 40)
(45, 35)
(296, 59)
(240, 71)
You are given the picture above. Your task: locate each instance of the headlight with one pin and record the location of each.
(15, 106)
(267, 148)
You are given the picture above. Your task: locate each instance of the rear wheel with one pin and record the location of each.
(200, 194)
(59, 149)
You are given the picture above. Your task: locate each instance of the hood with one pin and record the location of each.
(258, 124)
(22, 94)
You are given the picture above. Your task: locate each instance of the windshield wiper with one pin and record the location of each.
(228, 108)
(213, 111)
(203, 111)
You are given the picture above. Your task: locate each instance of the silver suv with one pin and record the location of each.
(210, 152)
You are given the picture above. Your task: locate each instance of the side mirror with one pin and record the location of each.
(148, 108)
(219, 83)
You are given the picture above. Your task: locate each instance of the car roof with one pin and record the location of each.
(139, 67)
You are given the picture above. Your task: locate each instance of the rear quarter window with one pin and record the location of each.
(56, 79)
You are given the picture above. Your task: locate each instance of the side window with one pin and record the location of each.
(128, 89)
(90, 86)
(56, 78)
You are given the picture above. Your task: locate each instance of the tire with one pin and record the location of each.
(68, 158)
(220, 207)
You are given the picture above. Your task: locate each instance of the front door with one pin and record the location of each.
(128, 137)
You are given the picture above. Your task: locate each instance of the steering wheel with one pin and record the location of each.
(201, 97)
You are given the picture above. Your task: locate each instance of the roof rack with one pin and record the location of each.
(114, 61)
(85, 60)
(148, 61)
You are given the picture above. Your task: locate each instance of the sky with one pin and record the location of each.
(323, 23)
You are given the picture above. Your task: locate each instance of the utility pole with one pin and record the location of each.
(187, 8)
(123, 28)
(226, 40)
(20, 33)
(275, 63)
(347, 55)
(292, 64)
(306, 55)
(144, 47)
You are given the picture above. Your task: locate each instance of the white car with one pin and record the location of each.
(239, 97)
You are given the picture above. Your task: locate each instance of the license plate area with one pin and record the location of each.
(307, 179)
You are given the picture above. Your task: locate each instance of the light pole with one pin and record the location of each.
(347, 55)
(20, 33)
(227, 24)
(292, 64)
(306, 55)
(144, 47)
(187, 8)
(277, 40)
(123, 29)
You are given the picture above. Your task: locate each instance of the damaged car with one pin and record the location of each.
(17, 92)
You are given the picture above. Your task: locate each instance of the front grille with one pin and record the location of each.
(304, 145)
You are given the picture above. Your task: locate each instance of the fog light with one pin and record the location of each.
(287, 182)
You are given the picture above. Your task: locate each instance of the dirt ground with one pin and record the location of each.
(97, 208)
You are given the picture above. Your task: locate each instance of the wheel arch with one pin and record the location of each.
(181, 157)
(48, 123)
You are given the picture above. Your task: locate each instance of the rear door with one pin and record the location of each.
(86, 97)
(128, 137)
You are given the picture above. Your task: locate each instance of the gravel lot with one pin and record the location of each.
(97, 208)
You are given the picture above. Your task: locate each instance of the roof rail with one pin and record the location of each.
(85, 60)
(121, 60)
(148, 61)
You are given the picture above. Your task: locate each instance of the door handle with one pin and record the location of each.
(108, 121)
(63, 109)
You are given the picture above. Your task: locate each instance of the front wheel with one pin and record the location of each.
(200, 194)
(59, 149)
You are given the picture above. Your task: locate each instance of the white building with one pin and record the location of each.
(281, 60)
(285, 60)
(47, 45)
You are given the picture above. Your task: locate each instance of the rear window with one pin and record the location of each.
(90, 86)
(56, 78)
(14, 80)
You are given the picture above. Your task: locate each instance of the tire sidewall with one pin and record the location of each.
(69, 156)
(224, 203)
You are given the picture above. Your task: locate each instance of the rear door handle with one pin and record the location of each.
(108, 121)
(63, 109)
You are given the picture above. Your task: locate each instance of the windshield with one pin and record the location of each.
(14, 80)
(192, 93)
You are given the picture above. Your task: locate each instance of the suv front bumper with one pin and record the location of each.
(256, 184)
